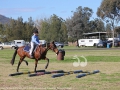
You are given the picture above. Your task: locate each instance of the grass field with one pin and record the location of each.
(107, 61)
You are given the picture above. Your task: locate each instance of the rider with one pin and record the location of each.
(34, 41)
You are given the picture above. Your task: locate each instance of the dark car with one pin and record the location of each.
(106, 43)
(116, 43)
(102, 44)
(110, 43)
(58, 44)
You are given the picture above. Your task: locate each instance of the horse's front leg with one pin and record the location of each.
(36, 62)
(47, 63)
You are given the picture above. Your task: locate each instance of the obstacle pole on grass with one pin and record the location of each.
(43, 73)
(20, 73)
(67, 73)
(85, 74)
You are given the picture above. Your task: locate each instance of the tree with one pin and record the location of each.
(2, 33)
(117, 30)
(108, 30)
(10, 30)
(52, 28)
(78, 23)
(45, 33)
(96, 25)
(109, 11)
(29, 26)
(17, 29)
(63, 31)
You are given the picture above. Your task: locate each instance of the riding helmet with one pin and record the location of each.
(35, 31)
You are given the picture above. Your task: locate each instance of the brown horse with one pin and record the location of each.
(39, 53)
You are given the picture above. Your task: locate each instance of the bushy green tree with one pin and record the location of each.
(17, 29)
(52, 29)
(109, 11)
(78, 23)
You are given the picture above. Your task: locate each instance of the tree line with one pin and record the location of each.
(57, 29)
(16, 30)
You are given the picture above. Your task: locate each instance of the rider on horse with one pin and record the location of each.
(34, 41)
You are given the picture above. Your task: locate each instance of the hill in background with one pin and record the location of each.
(4, 20)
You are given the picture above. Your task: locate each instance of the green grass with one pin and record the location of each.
(110, 55)
(105, 60)
(110, 78)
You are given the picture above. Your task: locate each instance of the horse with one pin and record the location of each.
(39, 53)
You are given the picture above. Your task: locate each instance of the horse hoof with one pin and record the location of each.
(45, 67)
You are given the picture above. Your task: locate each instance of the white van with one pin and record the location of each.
(88, 42)
(19, 43)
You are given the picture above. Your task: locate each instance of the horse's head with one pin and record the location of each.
(53, 47)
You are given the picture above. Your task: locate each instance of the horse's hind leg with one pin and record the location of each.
(26, 62)
(21, 59)
(47, 63)
(36, 62)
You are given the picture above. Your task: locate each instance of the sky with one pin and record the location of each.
(38, 9)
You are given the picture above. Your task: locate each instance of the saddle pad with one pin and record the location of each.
(26, 48)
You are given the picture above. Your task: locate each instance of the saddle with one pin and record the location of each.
(27, 48)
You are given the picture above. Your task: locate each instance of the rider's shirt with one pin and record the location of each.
(35, 39)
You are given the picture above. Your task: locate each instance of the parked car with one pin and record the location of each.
(102, 44)
(105, 43)
(7, 45)
(116, 43)
(58, 44)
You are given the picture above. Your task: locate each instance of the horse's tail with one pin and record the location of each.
(14, 55)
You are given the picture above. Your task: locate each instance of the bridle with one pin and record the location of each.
(57, 52)
(53, 49)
